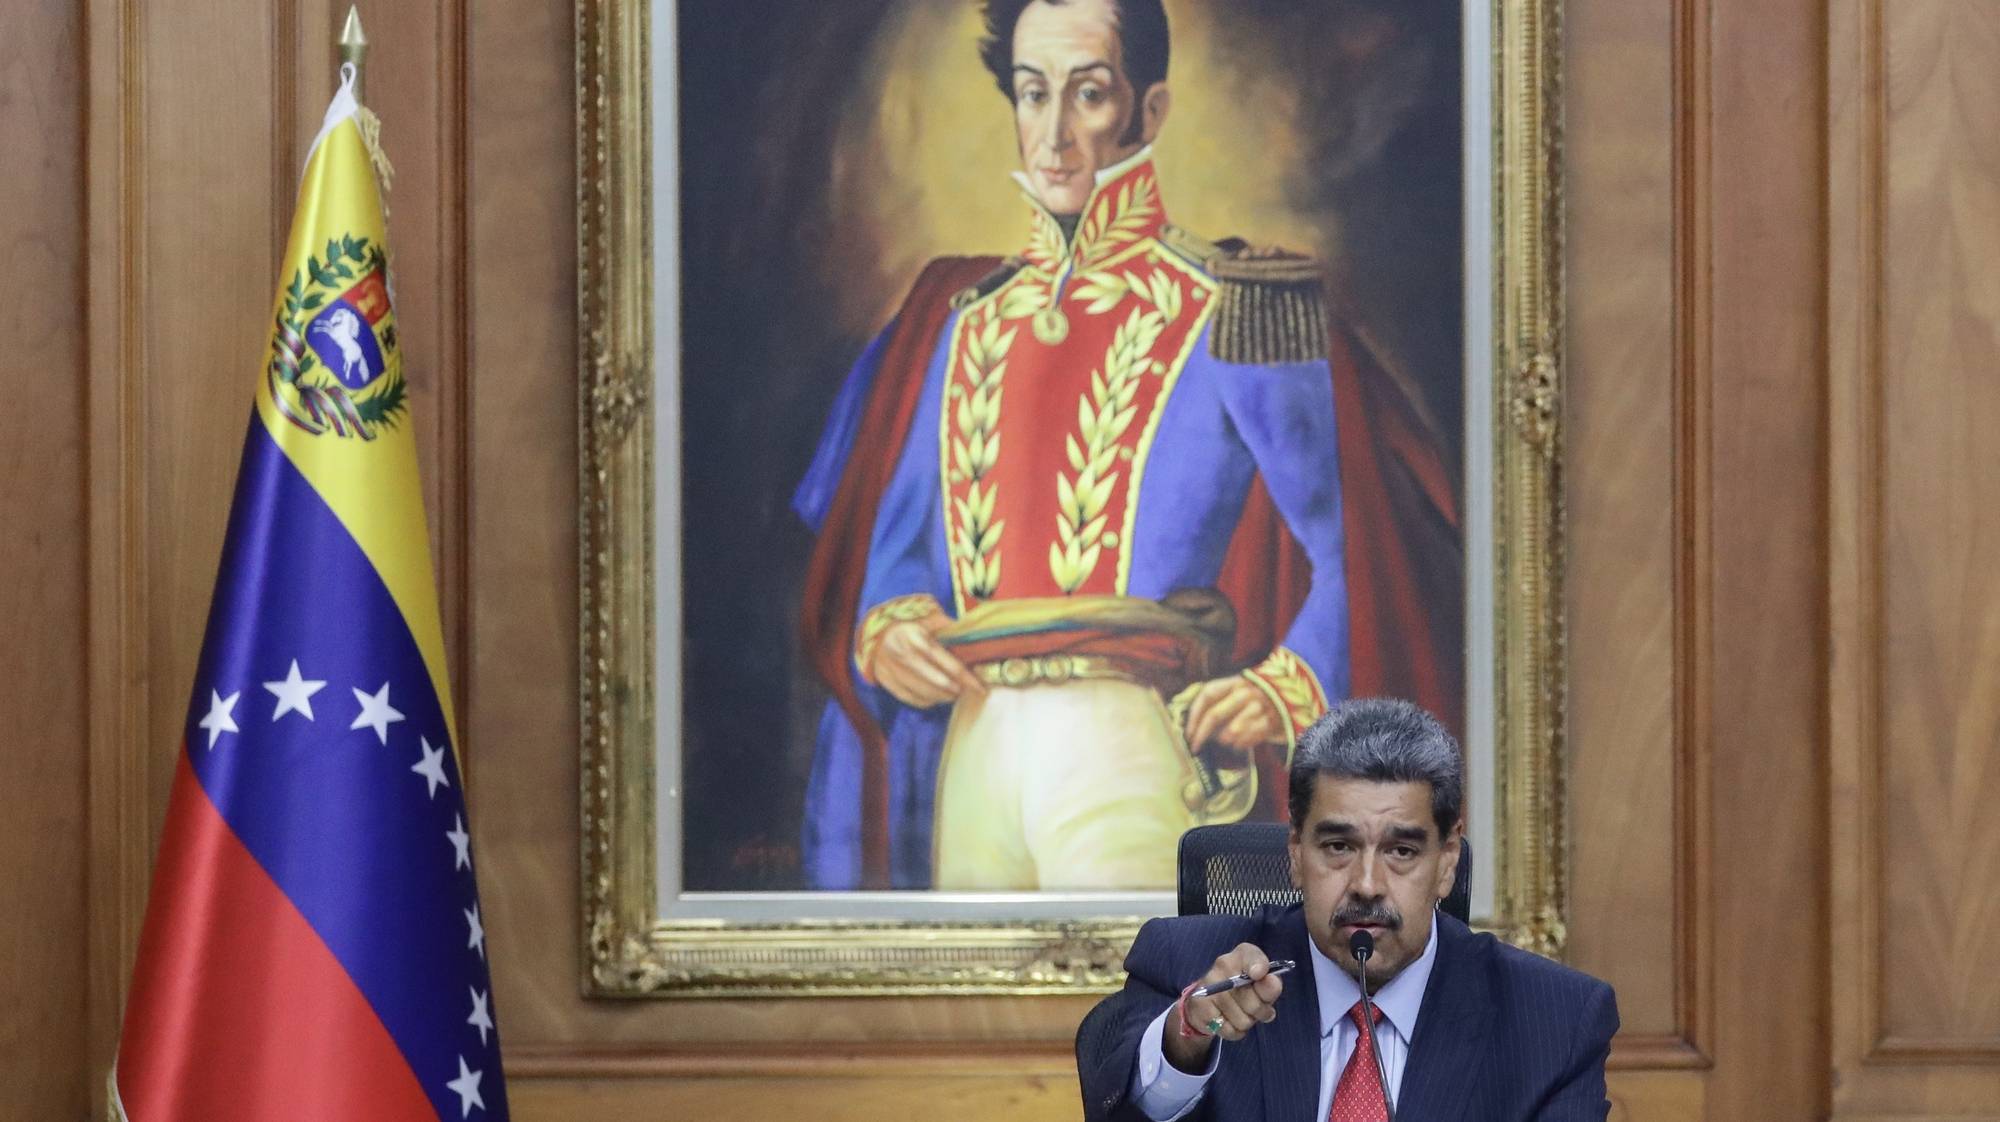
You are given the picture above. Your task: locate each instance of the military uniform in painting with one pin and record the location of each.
(1114, 462)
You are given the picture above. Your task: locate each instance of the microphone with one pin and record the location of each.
(1362, 946)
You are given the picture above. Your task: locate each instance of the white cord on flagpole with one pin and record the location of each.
(341, 108)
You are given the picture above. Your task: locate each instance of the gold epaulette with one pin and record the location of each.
(1270, 307)
(979, 289)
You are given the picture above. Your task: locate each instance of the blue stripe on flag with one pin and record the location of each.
(344, 826)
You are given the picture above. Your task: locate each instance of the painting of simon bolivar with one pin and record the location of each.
(1071, 399)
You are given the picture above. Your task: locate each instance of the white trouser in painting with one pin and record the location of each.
(1078, 785)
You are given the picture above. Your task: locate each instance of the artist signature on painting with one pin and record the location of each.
(764, 862)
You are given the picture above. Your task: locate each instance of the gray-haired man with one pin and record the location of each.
(1467, 1027)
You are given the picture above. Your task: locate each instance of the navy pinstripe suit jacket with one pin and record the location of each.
(1503, 1035)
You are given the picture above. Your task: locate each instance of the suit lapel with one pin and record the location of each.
(1288, 1048)
(1452, 1028)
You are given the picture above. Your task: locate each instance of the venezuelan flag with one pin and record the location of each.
(313, 946)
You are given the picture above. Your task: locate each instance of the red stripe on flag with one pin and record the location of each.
(238, 1009)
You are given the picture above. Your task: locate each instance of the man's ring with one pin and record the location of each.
(1214, 1025)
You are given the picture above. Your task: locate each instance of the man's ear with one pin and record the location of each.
(1153, 111)
(1292, 851)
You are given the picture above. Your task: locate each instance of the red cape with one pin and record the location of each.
(1404, 552)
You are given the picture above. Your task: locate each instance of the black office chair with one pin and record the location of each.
(1238, 868)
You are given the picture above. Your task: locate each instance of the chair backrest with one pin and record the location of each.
(1238, 868)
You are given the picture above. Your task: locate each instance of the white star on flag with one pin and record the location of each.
(376, 712)
(219, 719)
(475, 934)
(431, 767)
(466, 1087)
(294, 693)
(460, 841)
(481, 1019)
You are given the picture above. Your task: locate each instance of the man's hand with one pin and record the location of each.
(1239, 1010)
(1234, 714)
(916, 669)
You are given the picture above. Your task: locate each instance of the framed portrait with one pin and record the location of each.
(1006, 426)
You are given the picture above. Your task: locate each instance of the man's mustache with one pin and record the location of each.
(1378, 915)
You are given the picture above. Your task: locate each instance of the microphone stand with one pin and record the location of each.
(1362, 947)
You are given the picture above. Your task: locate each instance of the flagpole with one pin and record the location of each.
(354, 46)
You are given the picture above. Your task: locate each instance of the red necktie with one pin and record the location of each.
(1358, 1095)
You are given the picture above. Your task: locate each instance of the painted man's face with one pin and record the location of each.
(1073, 106)
(1368, 857)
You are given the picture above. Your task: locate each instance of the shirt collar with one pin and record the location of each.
(1399, 1001)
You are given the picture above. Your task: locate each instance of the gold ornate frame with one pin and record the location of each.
(628, 950)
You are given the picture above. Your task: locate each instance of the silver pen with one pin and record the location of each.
(1281, 966)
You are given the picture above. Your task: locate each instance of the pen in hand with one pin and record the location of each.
(1234, 981)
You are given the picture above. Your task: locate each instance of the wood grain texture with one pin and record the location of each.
(1914, 192)
(1765, 434)
(42, 590)
(1656, 1096)
(116, 757)
(1622, 415)
(1675, 155)
(986, 1097)
(1940, 402)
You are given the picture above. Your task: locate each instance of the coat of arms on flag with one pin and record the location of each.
(335, 366)
(314, 947)
(344, 335)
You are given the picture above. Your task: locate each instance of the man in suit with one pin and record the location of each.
(1469, 1029)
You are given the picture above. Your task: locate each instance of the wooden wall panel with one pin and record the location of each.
(117, 755)
(1914, 187)
(1624, 422)
(1763, 429)
(1695, 331)
(42, 465)
(522, 714)
(1940, 640)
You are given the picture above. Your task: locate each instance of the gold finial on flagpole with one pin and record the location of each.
(354, 52)
(354, 46)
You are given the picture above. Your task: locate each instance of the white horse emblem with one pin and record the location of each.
(344, 328)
